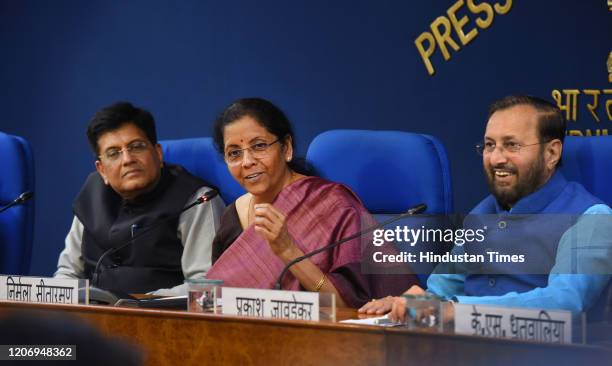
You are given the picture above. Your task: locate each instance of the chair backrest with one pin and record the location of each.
(199, 157)
(586, 160)
(390, 171)
(16, 223)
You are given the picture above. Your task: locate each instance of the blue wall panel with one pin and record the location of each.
(328, 64)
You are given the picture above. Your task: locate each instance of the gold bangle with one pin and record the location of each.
(320, 283)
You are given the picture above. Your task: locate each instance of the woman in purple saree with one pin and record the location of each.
(285, 214)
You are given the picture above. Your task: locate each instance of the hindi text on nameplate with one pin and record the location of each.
(278, 304)
(548, 326)
(39, 289)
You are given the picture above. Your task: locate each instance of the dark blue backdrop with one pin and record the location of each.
(328, 64)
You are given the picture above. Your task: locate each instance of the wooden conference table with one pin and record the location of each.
(181, 338)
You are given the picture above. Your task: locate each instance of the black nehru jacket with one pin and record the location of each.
(153, 260)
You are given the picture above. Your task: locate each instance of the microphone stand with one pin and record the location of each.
(413, 211)
(19, 200)
(204, 198)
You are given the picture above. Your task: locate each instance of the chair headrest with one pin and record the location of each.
(389, 170)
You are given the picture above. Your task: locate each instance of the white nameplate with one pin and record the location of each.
(39, 289)
(271, 303)
(549, 326)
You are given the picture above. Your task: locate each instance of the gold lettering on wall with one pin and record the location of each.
(482, 23)
(443, 27)
(568, 100)
(571, 101)
(588, 132)
(608, 104)
(609, 65)
(592, 107)
(458, 24)
(426, 53)
(503, 9)
(443, 37)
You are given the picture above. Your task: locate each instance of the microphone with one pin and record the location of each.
(209, 195)
(19, 200)
(412, 211)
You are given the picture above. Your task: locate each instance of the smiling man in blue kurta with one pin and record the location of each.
(521, 154)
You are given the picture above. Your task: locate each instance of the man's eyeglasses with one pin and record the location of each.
(114, 154)
(257, 151)
(509, 146)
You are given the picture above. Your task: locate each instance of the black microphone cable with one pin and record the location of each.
(203, 198)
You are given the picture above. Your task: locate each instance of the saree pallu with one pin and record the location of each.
(318, 212)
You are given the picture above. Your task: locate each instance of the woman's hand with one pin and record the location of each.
(272, 225)
(378, 306)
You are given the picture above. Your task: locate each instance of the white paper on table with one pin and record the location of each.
(381, 321)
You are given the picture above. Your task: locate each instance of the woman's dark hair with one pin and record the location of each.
(116, 115)
(268, 116)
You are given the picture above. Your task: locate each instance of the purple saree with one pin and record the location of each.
(318, 213)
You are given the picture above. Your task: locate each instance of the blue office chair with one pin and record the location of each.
(17, 222)
(199, 157)
(587, 160)
(390, 171)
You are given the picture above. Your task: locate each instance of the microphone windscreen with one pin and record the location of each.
(209, 195)
(25, 196)
(417, 209)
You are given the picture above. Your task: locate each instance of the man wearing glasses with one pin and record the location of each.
(134, 192)
(521, 154)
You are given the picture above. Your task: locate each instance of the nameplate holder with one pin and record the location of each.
(547, 326)
(40, 289)
(277, 304)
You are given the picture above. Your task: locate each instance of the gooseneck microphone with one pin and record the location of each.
(203, 198)
(19, 200)
(412, 211)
